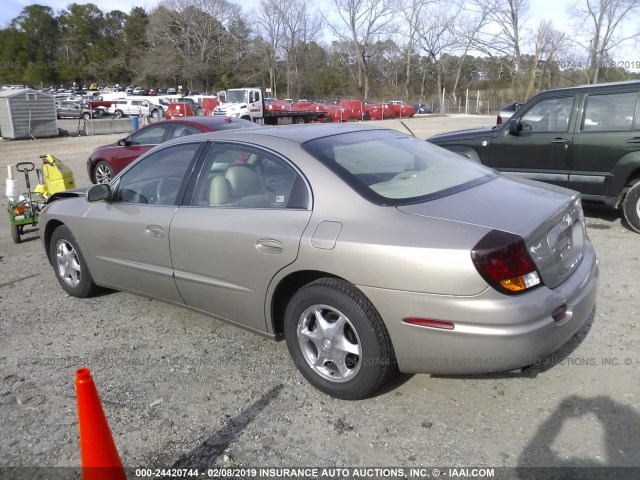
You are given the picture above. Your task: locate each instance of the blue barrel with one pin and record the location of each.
(135, 122)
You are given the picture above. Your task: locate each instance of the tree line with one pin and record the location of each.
(372, 49)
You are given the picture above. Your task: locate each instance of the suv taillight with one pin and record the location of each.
(502, 260)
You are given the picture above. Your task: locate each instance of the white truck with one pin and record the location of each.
(250, 104)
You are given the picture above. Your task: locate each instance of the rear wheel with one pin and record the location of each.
(118, 113)
(103, 172)
(631, 206)
(71, 270)
(87, 116)
(299, 120)
(338, 340)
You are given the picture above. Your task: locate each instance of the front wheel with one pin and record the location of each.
(71, 269)
(338, 340)
(299, 120)
(87, 116)
(631, 206)
(15, 233)
(103, 172)
(118, 113)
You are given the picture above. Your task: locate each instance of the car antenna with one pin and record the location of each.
(405, 126)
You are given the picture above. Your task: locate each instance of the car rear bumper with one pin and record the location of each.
(492, 332)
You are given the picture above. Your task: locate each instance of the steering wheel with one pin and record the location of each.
(167, 189)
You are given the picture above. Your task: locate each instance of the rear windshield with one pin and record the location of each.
(390, 168)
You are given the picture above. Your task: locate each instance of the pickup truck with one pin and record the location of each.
(586, 138)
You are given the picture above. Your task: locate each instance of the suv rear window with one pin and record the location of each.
(389, 168)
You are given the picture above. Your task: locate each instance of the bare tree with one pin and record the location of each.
(602, 20)
(548, 41)
(435, 37)
(271, 27)
(412, 12)
(362, 23)
(300, 25)
(471, 21)
(508, 16)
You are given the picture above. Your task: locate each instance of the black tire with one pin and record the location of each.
(118, 114)
(631, 206)
(155, 114)
(15, 233)
(68, 264)
(367, 360)
(299, 120)
(87, 116)
(102, 172)
(199, 112)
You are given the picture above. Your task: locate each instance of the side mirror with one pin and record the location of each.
(514, 127)
(123, 142)
(99, 192)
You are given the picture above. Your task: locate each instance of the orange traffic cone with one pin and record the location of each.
(100, 460)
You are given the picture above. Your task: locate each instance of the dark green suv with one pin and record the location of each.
(586, 138)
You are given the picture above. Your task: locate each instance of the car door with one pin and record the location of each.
(541, 150)
(607, 133)
(243, 224)
(129, 235)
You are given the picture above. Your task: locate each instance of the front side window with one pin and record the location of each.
(242, 176)
(149, 136)
(389, 168)
(610, 112)
(157, 178)
(549, 115)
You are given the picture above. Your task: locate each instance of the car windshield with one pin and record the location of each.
(389, 168)
(237, 96)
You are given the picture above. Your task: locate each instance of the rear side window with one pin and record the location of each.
(610, 112)
(389, 168)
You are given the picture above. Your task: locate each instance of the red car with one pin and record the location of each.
(403, 109)
(179, 110)
(379, 111)
(107, 161)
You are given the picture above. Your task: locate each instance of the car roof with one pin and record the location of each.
(597, 86)
(294, 133)
(204, 120)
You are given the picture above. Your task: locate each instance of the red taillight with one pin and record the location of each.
(502, 260)
(499, 120)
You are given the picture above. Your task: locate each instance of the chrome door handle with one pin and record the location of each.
(633, 140)
(267, 245)
(154, 231)
(560, 140)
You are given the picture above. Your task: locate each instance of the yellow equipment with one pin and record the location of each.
(57, 176)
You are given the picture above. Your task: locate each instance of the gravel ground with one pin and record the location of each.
(183, 389)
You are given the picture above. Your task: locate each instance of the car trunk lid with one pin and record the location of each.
(548, 218)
